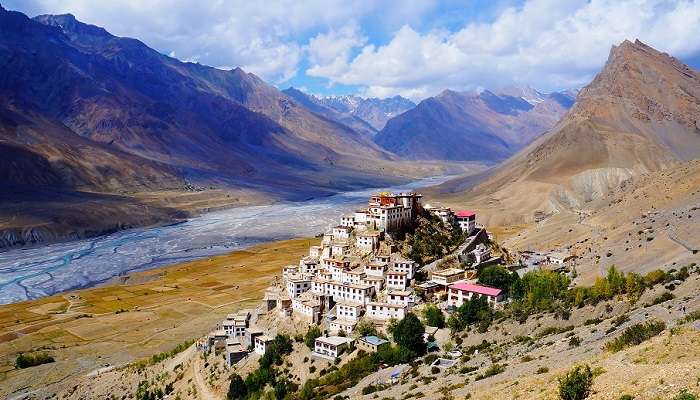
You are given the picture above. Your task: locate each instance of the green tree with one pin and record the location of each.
(312, 334)
(237, 388)
(408, 333)
(365, 328)
(434, 316)
(576, 384)
(497, 276)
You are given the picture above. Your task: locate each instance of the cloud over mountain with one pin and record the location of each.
(413, 48)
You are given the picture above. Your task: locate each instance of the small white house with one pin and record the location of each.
(407, 266)
(354, 277)
(297, 286)
(344, 325)
(348, 311)
(315, 251)
(332, 346)
(368, 241)
(466, 220)
(400, 297)
(289, 270)
(385, 311)
(376, 268)
(446, 277)
(377, 282)
(396, 280)
(308, 265)
(481, 253)
(306, 306)
(339, 249)
(347, 221)
(341, 232)
(459, 292)
(261, 343)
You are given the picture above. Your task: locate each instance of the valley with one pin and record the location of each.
(44, 270)
(482, 201)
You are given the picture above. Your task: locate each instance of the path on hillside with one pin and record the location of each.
(202, 388)
(459, 250)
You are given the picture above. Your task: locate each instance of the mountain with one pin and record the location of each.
(315, 105)
(639, 115)
(82, 110)
(467, 126)
(374, 111)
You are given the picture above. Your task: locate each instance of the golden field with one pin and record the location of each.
(152, 312)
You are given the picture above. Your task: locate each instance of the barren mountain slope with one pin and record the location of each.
(473, 126)
(640, 114)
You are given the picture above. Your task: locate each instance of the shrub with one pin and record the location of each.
(574, 341)
(498, 277)
(427, 360)
(494, 369)
(635, 335)
(685, 395)
(32, 360)
(237, 388)
(693, 316)
(312, 334)
(434, 316)
(662, 298)
(542, 370)
(408, 333)
(576, 384)
(626, 397)
(593, 321)
(434, 370)
(467, 369)
(654, 277)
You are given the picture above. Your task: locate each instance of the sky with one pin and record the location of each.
(414, 48)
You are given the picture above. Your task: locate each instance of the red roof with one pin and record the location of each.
(464, 214)
(468, 287)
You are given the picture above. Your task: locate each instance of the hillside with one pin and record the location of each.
(85, 112)
(639, 115)
(483, 126)
(612, 183)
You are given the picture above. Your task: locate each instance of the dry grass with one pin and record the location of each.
(116, 324)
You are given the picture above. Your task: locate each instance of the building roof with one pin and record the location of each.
(448, 271)
(464, 214)
(368, 233)
(344, 322)
(264, 338)
(399, 293)
(334, 340)
(345, 228)
(559, 255)
(470, 287)
(427, 285)
(373, 340)
(385, 305)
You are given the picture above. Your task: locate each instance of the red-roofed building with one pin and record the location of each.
(461, 291)
(466, 220)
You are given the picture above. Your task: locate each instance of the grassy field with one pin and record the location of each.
(119, 323)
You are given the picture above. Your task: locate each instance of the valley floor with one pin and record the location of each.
(114, 325)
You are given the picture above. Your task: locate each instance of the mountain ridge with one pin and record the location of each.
(481, 125)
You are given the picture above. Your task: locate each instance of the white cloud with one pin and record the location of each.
(329, 52)
(548, 44)
(261, 37)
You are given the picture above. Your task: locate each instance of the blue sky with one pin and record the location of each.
(415, 48)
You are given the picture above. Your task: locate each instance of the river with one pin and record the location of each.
(42, 271)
